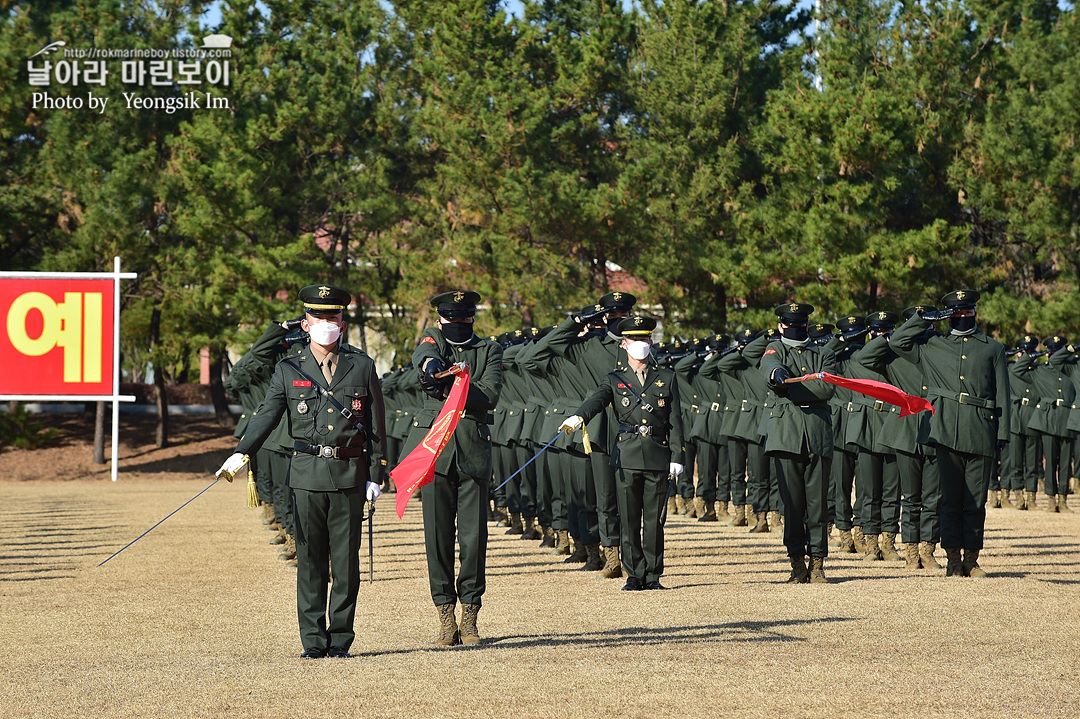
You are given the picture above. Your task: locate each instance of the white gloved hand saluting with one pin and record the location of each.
(675, 468)
(373, 491)
(570, 424)
(232, 465)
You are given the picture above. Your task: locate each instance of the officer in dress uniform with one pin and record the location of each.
(648, 449)
(456, 502)
(332, 398)
(968, 385)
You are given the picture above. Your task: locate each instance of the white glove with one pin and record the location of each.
(675, 468)
(232, 466)
(570, 424)
(373, 491)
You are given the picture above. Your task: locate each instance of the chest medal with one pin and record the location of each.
(625, 401)
(302, 407)
(660, 402)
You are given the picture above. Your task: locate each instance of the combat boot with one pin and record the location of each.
(612, 566)
(993, 500)
(845, 543)
(761, 526)
(1074, 485)
(672, 506)
(691, 508)
(278, 538)
(548, 541)
(1006, 503)
(954, 566)
(593, 559)
(448, 635)
(859, 539)
(288, 551)
(722, 511)
(580, 554)
(817, 571)
(971, 566)
(1051, 503)
(911, 556)
(799, 573)
(515, 524)
(529, 529)
(739, 520)
(775, 520)
(1030, 501)
(268, 514)
(872, 553)
(926, 555)
(680, 505)
(562, 542)
(707, 512)
(502, 517)
(888, 547)
(1062, 504)
(469, 632)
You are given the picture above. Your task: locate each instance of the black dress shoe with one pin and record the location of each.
(655, 584)
(338, 653)
(313, 653)
(633, 584)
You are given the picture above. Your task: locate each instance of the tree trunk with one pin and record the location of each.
(162, 434)
(217, 392)
(99, 433)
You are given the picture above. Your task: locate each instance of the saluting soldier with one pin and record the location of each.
(648, 449)
(968, 385)
(799, 437)
(1021, 460)
(456, 502)
(331, 396)
(707, 417)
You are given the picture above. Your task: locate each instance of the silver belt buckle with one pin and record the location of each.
(1025, 401)
(327, 451)
(1060, 403)
(644, 430)
(715, 406)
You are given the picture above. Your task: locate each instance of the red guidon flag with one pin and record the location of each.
(908, 404)
(418, 468)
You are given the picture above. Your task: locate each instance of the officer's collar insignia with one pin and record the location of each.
(459, 296)
(324, 291)
(659, 383)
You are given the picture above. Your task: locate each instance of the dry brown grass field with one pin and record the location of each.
(198, 618)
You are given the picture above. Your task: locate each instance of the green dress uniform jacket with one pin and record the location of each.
(1024, 396)
(842, 397)
(801, 421)
(250, 376)
(967, 383)
(908, 433)
(730, 393)
(1055, 391)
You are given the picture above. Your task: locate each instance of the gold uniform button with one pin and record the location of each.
(330, 427)
(331, 394)
(330, 410)
(961, 376)
(963, 356)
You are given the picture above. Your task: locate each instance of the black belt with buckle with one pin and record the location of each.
(328, 451)
(644, 430)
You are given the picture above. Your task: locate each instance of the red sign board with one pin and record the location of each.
(57, 336)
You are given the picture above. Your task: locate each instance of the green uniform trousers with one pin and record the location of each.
(804, 488)
(278, 464)
(738, 485)
(607, 499)
(965, 480)
(713, 475)
(842, 480)
(642, 496)
(877, 484)
(328, 529)
(456, 503)
(921, 488)
(1020, 463)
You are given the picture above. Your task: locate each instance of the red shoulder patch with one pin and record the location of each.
(428, 341)
(770, 352)
(300, 383)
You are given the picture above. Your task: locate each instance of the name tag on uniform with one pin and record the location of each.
(301, 383)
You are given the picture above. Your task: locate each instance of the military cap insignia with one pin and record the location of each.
(324, 291)
(794, 306)
(659, 383)
(920, 308)
(851, 320)
(1027, 338)
(819, 326)
(616, 296)
(960, 295)
(882, 315)
(459, 296)
(517, 333)
(718, 337)
(1056, 339)
(638, 321)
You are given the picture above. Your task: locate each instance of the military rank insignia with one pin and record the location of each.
(659, 383)
(357, 405)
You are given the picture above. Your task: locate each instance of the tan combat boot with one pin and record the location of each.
(1030, 500)
(799, 573)
(845, 544)
(722, 511)
(448, 635)
(279, 538)
(954, 566)
(502, 517)
(1006, 503)
(888, 547)
(580, 554)
(926, 555)
(817, 570)
(516, 527)
(971, 566)
(872, 553)
(707, 512)
(993, 499)
(859, 539)
(680, 505)
(594, 561)
(739, 520)
(529, 530)
(288, 551)
(672, 506)
(612, 565)
(911, 556)
(775, 519)
(469, 632)
(548, 537)
(691, 508)
(1051, 503)
(562, 542)
(268, 514)
(1062, 505)
(761, 523)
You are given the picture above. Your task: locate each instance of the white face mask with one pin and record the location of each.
(638, 349)
(324, 333)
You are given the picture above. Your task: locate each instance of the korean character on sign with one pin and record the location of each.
(189, 73)
(39, 75)
(161, 72)
(217, 72)
(133, 72)
(67, 72)
(94, 72)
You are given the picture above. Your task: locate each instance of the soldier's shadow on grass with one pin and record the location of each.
(205, 462)
(735, 632)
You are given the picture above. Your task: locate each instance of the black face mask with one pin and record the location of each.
(821, 341)
(795, 332)
(613, 324)
(457, 333)
(962, 324)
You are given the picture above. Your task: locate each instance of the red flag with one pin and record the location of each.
(884, 391)
(418, 468)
